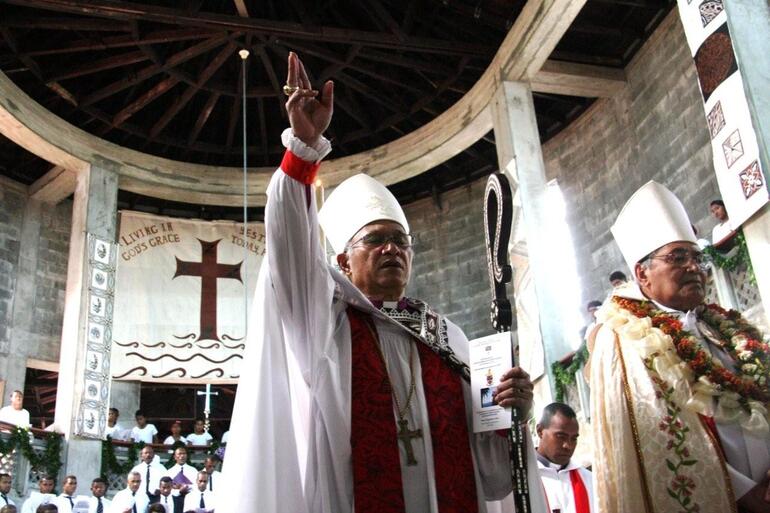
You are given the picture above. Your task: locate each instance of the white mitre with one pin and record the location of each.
(651, 218)
(356, 202)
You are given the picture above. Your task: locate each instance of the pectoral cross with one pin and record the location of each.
(406, 435)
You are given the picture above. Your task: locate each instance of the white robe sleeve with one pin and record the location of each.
(297, 266)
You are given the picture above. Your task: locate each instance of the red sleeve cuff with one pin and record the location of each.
(301, 170)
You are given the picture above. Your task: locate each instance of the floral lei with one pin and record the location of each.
(742, 341)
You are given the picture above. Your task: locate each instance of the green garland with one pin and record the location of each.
(731, 263)
(49, 461)
(564, 375)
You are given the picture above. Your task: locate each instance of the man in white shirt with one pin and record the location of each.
(15, 414)
(200, 498)
(97, 503)
(5, 489)
(66, 500)
(225, 437)
(143, 432)
(172, 503)
(209, 466)
(130, 499)
(188, 471)
(151, 472)
(569, 486)
(199, 436)
(44, 496)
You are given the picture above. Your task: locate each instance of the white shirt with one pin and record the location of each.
(214, 480)
(168, 503)
(720, 232)
(558, 484)
(157, 471)
(13, 416)
(170, 440)
(125, 499)
(63, 503)
(296, 422)
(93, 503)
(35, 500)
(144, 434)
(7, 501)
(225, 437)
(188, 471)
(204, 439)
(192, 500)
(117, 432)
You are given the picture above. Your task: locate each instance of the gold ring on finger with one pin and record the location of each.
(289, 90)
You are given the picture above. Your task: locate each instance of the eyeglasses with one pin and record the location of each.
(681, 257)
(373, 240)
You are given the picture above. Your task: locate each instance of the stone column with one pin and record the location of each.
(748, 21)
(519, 153)
(22, 316)
(94, 212)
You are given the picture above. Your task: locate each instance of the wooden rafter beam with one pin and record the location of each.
(128, 11)
(145, 99)
(54, 186)
(378, 12)
(92, 67)
(404, 62)
(153, 69)
(182, 100)
(87, 45)
(573, 79)
(240, 6)
(68, 24)
(271, 74)
(203, 117)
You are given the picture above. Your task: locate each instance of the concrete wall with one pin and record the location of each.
(654, 129)
(34, 243)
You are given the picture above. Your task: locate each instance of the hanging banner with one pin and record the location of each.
(180, 298)
(733, 140)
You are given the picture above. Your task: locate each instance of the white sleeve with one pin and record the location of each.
(298, 272)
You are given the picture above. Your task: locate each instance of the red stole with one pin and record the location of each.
(377, 486)
(579, 492)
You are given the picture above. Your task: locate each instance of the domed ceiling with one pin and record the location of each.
(164, 77)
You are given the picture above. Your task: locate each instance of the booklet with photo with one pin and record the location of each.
(490, 358)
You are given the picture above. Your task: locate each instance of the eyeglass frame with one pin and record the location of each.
(386, 239)
(700, 258)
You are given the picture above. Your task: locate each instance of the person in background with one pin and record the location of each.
(113, 429)
(172, 503)
(617, 278)
(722, 234)
(15, 413)
(591, 308)
(5, 489)
(181, 467)
(199, 436)
(44, 496)
(568, 485)
(200, 498)
(66, 500)
(98, 503)
(130, 499)
(210, 467)
(151, 472)
(143, 432)
(176, 435)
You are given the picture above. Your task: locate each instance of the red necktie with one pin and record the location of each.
(579, 492)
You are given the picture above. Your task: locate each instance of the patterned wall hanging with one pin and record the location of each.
(733, 140)
(91, 417)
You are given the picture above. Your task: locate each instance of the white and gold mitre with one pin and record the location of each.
(356, 202)
(652, 217)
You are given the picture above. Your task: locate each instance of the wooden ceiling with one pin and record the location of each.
(164, 77)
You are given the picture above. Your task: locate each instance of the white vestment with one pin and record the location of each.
(558, 485)
(291, 423)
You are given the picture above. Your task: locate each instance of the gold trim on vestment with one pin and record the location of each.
(648, 504)
(722, 465)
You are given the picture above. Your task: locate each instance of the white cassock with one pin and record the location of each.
(126, 500)
(558, 485)
(291, 424)
(192, 500)
(93, 504)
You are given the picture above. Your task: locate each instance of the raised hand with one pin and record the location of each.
(309, 115)
(515, 389)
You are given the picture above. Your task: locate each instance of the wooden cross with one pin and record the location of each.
(406, 435)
